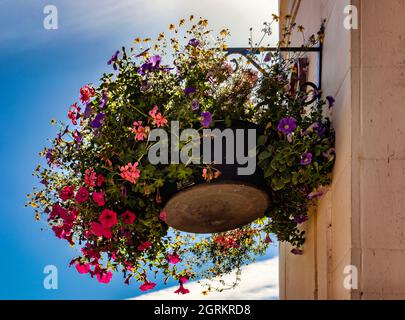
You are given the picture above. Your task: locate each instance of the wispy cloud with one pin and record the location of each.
(259, 282)
(21, 22)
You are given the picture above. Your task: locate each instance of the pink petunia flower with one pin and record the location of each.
(147, 286)
(90, 178)
(104, 277)
(141, 132)
(128, 217)
(98, 198)
(163, 216)
(173, 258)
(182, 290)
(108, 218)
(82, 195)
(86, 93)
(130, 172)
(83, 268)
(183, 279)
(158, 119)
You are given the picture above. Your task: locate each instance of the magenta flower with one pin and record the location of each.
(306, 159)
(147, 286)
(104, 277)
(173, 258)
(206, 119)
(163, 216)
(83, 268)
(287, 125)
(182, 290)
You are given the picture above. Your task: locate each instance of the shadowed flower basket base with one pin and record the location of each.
(216, 207)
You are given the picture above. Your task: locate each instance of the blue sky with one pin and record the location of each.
(41, 72)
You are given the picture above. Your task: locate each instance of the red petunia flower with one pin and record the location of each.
(98, 230)
(108, 218)
(67, 193)
(82, 195)
(98, 198)
(144, 246)
(100, 180)
(128, 217)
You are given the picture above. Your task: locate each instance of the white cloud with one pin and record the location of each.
(259, 282)
(112, 19)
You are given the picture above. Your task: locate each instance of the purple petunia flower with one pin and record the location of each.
(267, 57)
(315, 195)
(152, 64)
(195, 105)
(206, 119)
(189, 90)
(301, 219)
(44, 182)
(194, 43)
(316, 127)
(297, 252)
(96, 123)
(329, 154)
(331, 101)
(87, 111)
(123, 192)
(103, 101)
(306, 159)
(287, 125)
(49, 156)
(113, 59)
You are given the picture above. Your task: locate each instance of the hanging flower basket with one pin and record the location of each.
(113, 186)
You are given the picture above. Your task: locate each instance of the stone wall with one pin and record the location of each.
(361, 221)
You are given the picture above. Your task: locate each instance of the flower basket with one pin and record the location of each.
(112, 187)
(227, 202)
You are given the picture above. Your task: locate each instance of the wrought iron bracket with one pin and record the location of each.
(303, 83)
